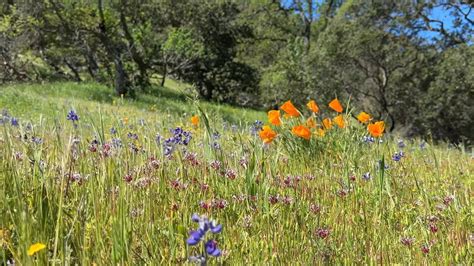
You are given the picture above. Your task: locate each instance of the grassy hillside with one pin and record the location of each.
(119, 184)
(175, 99)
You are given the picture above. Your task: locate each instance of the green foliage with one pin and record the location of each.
(382, 55)
(448, 111)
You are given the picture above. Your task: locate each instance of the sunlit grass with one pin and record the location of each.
(290, 202)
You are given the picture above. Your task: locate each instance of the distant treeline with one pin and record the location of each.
(399, 62)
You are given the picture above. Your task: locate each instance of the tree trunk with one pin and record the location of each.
(137, 58)
(121, 77)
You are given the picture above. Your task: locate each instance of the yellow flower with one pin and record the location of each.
(125, 120)
(339, 121)
(35, 248)
(320, 132)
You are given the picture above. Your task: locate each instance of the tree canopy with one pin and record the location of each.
(397, 60)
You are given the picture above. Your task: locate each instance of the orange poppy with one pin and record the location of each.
(313, 106)
(311, 123)
(336, 105)
(339, 121)
(195, 120)
(301, 131)
(376, 129)
(274, 117)
(364, 117)
(290, 109)
(327, 123)
(267, 134)
(320, 132)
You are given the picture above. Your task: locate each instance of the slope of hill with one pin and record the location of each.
(91, 179)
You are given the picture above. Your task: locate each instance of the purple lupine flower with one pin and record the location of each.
(72, 116)
(423, 145)
(199, 235)
(211, 248)
(113, 131)
(180, 137)
(368, 139)
(116, 143)
(36, 140)
(396, 157)
(14, 122)
(367, 176)
(401, 144)
(256, 127)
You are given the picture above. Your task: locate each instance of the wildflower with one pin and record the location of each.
(423, 145)
(396, 157)
(244, 162)
(256, 127)
(312, 106)
(311, 123)
(230, 174)
(211, 248)
(448, 199)
(367, 176)
(33, 249)
(368, 139)
(425, 248)
(336, 105)
(195, 120)
(401, 144)
(407, 241)
(274, 117)
(14, 122)
(320, 132)
(315, 208)
(113, 131)
(198, 235)
(301, 131)
(116, 143)
(376, 129)
(339, 121)
(180, 137)
(327, 123)
(128, 178)
(273, 199)
(72, 115)
(322, 233)
(290, 109)
(216, 165)
(267, 134)
(364, 117)
(433, 228)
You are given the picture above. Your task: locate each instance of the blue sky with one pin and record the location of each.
(438, 13)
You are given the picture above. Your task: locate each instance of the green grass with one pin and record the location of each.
(71, 194)
(50, 99)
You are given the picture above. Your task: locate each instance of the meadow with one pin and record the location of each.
(163, 179)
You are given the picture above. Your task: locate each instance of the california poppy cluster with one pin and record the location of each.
(311, 127)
